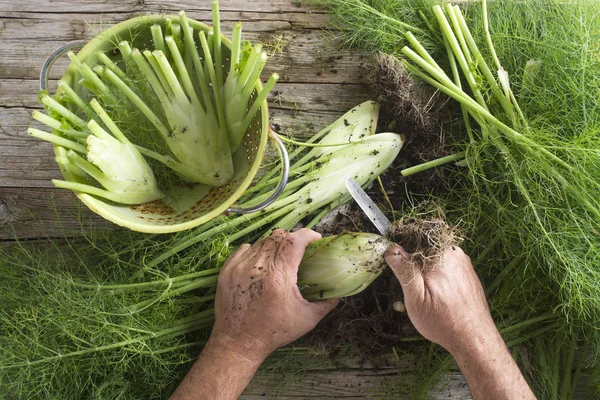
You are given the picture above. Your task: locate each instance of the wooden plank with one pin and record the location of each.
(353, 384)
(301, 124)
(366, 382)
(28, 162)
(24, 161)
(318, 97)
(21, 92)
(137, 6)
(288, 115)
(307, 57)
(300, 97)
(84, 26)
(32, 213)
(66, 6)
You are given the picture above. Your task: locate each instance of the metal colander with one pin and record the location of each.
(184, 206)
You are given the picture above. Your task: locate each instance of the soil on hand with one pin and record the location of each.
(375, 320)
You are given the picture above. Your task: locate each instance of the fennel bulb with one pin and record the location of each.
(341, 265)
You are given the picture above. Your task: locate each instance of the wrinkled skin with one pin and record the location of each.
(446, 303)
(258, 305)
(258, 308)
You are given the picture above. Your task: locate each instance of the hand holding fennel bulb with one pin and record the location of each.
(258, 309)
(273, 313)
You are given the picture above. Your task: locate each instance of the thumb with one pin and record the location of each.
(322, 307)
(408, 274)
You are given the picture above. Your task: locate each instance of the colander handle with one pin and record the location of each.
(285, 172)
(45, 72)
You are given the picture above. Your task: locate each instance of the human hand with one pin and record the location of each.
(258, 306)
(445, 302)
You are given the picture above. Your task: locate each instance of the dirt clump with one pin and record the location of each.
(413, 105)
(366, 325)
(426, 118)
(425, 239)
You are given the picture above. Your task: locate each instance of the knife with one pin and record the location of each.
(383, 225)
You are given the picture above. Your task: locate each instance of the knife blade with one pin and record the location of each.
(383, 225)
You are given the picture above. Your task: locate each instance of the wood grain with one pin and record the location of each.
(29, 213)
(354, 379)
(63, 7)
(347, 385)
(309, 56)
(300, 97)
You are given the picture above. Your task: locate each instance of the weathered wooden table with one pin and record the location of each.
(318, 83)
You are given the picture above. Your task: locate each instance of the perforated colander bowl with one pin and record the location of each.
(184, 206)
